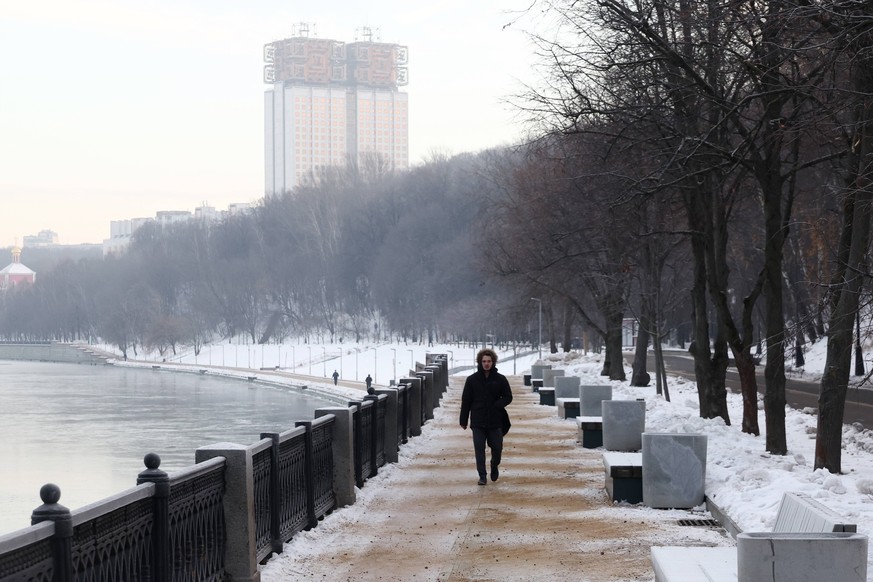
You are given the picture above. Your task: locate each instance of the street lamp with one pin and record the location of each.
(324, 361)
(394, 362)
(310, 359)
(451, 358)
(411, 361)
(540, 311)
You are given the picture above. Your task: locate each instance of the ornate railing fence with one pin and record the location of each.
(236, 506)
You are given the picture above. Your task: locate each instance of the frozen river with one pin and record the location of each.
(87, 428)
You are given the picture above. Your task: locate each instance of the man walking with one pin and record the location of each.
(483, 405)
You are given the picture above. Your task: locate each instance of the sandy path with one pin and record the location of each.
(547, 518)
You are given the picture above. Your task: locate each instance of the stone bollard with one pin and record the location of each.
(623, 424)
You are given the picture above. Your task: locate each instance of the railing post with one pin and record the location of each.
(160, 563)
(311, 519)
(240, 558)
(414, 392)
(61, 544)
(343, 454)
(374, 434)
(276, 542)
(392, 436)
(357, 443)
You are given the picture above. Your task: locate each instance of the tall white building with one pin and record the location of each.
(331, 102)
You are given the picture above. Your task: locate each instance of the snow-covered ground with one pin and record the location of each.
(742, 478)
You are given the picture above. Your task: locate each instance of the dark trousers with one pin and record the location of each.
(493, 437)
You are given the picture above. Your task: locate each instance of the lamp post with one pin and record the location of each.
(375, 364)
(394, 362)
(324, 361)
(540, 311)
(310, 359)
(411, 361)
(451, 358)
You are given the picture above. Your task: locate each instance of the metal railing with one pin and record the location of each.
(200, 523)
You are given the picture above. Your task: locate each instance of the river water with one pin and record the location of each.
(87, 428)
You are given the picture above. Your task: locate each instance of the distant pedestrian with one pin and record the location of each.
(369, 382)
(335, 377)
(483, 404)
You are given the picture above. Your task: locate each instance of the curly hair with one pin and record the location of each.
(486, 352)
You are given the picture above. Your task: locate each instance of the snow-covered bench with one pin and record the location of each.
(547, 396)
(590, 431)
(624, 476)
(807, 538)
(567, 407)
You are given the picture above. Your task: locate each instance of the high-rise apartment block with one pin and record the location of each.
(332, 102)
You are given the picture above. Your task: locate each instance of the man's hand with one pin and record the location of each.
(464, 426)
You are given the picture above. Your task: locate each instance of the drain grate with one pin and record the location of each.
(700, 522)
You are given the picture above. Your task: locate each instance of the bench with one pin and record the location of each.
(623, 476)
(590, 431)
(804, 528)
(547, 396)
(567, 407)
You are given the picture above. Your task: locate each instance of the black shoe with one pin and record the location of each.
(494, 473)
(482, 480)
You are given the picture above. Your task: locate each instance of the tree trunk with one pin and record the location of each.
(639, 375)
(614, 354)
(855, 239)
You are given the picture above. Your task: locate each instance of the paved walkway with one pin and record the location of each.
(547, 518)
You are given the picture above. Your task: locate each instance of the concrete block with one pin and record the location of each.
(567, 386)
(536, 371)
(550, 375)
(793, 557)
(674, 469)
(591, 397)
(623, 424)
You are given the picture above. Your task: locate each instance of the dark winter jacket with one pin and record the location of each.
(484, 400)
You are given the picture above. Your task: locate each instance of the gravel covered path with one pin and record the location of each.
(547, 518)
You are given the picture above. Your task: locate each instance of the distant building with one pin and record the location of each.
(121, 231)
(331, 103)
(15, 274)
(45, 238)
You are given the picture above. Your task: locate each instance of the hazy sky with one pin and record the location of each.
(113, 109)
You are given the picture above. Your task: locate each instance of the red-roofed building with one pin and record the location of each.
(15, 273)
